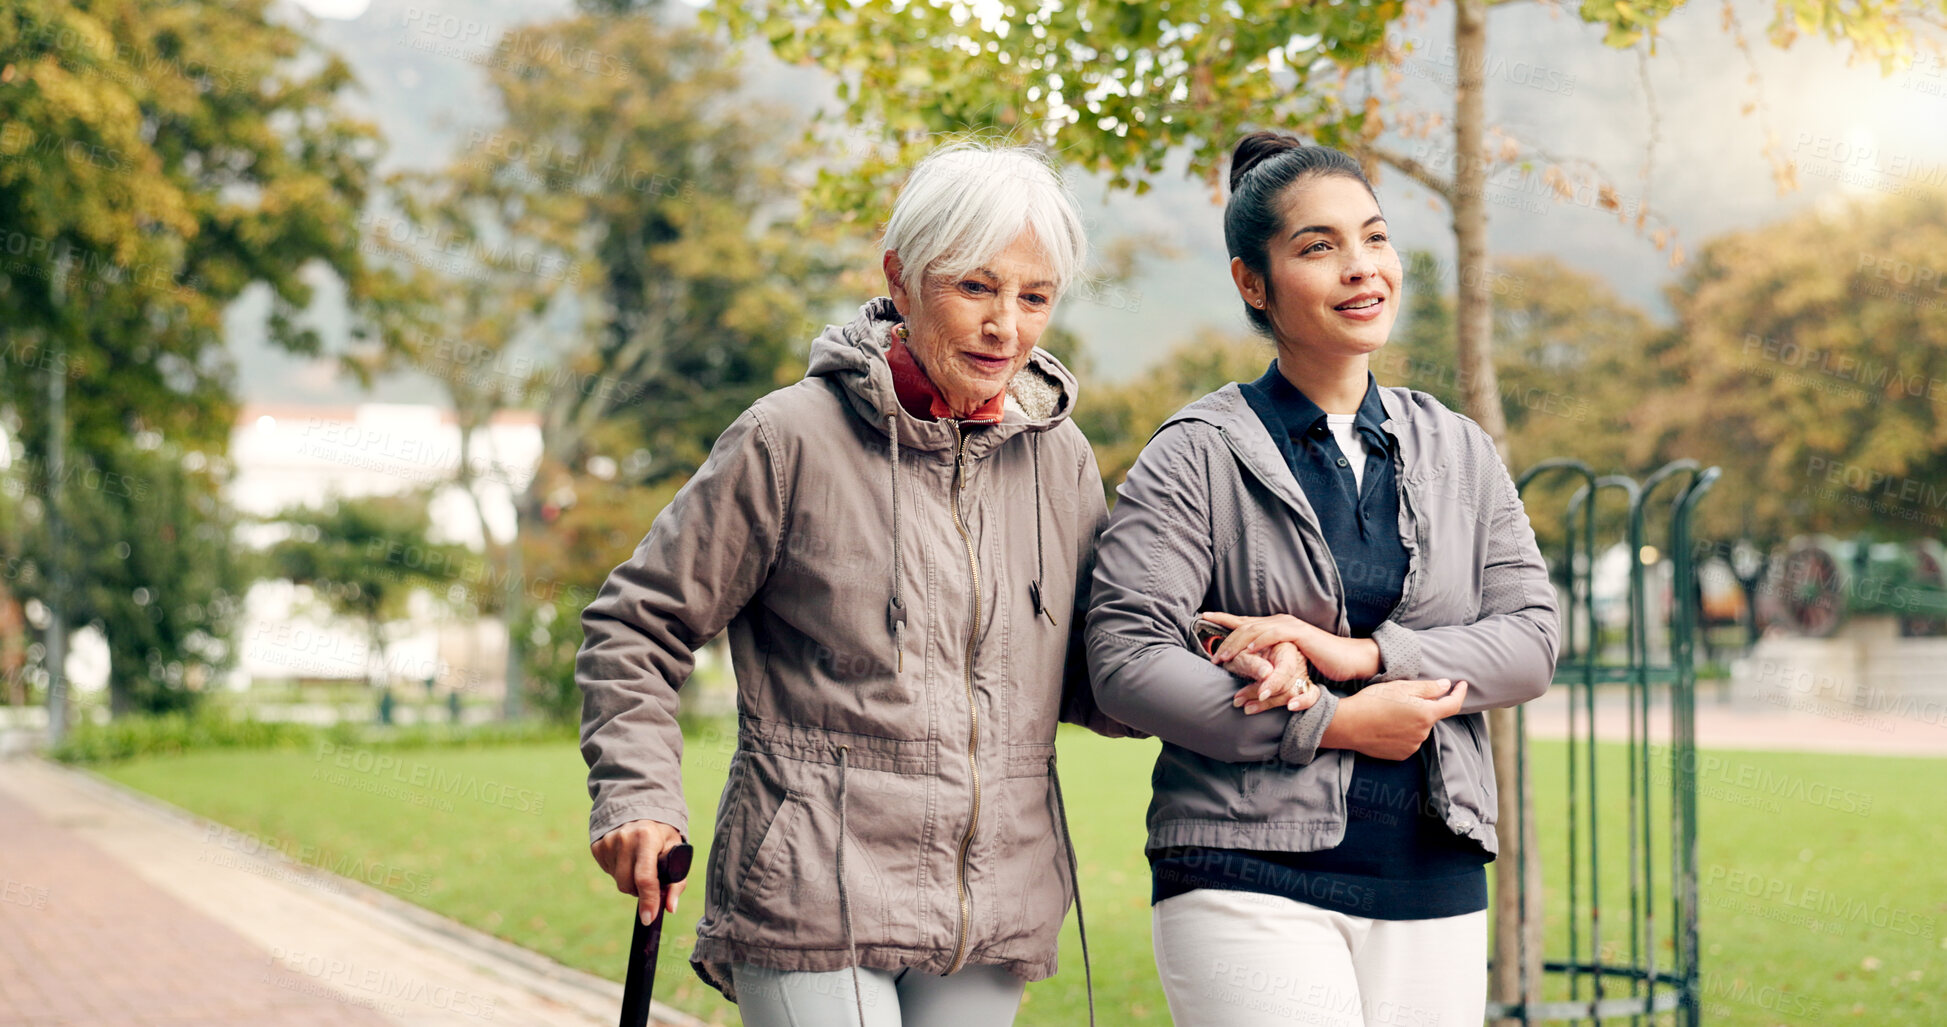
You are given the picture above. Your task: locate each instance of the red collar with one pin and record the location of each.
(922, 398)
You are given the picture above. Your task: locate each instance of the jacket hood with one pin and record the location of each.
(852, 356)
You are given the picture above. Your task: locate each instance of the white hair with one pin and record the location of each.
(967, 202)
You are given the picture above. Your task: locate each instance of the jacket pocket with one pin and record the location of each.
(1026, 871)
(789, 893)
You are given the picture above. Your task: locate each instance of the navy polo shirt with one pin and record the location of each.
(1398, 861)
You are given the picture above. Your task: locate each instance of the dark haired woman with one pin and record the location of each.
(1323, 865)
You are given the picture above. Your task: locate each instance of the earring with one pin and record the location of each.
(902, 331)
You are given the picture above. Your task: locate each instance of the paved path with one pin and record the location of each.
(1791, 723)
(115, 909)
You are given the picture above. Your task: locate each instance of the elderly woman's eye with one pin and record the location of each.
(972, 286)
(1037, 299)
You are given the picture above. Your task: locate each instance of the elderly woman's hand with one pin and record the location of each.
(1334, 656)
(1278, 679)
(629, 854)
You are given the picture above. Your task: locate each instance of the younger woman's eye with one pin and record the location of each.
(1378, 237)
(1313, 248)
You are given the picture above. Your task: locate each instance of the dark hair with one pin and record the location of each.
(1262, 167)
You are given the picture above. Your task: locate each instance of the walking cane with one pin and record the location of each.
(647, 940)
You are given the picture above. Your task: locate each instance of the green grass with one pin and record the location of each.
(495, 838)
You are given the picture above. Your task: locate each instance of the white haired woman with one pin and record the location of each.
(900, 547)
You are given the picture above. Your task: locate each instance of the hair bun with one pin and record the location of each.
(1255, 149)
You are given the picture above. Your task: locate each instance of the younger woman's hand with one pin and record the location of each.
(1278, 679)
(1334, 657)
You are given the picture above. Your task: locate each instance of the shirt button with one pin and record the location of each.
(1342, 462)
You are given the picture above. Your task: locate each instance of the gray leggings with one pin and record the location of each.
(977, 996)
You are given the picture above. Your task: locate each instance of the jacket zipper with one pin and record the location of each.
(1416, 560)
(973, 709)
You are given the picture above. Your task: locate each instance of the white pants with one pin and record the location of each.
(977, 996)
(1240, 959)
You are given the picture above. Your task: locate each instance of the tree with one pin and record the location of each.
(1119, 419)
(151, 560)
(1572, 360)
(1812, 361)
(365, 557)
(156, 159)
(622, 274)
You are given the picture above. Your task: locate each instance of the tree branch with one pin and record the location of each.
(1416, 170)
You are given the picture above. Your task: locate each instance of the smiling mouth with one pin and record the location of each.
(1364, 304)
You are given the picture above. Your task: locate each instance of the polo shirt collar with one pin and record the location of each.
(1302, 416)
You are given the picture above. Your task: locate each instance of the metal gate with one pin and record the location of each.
(1590, 966)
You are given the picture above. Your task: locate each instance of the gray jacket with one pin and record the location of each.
(900, 597)
(1211, 518)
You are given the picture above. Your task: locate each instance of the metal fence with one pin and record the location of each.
(1600, 959)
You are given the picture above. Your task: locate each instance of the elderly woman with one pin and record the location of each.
(899, 545)
(1323, 863)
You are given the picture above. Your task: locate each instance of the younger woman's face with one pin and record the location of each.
(1334, 278)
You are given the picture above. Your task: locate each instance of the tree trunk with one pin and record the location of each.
(1517, 930)
(513, 606)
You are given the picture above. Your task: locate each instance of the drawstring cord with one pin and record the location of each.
(896, 610)
(1040, 570)
(1075, 879)
(844, 901)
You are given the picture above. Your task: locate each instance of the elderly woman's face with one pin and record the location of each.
(971, 333)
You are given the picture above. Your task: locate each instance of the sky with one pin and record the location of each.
(1681, 132)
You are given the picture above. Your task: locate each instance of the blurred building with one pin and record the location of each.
(285, 456)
